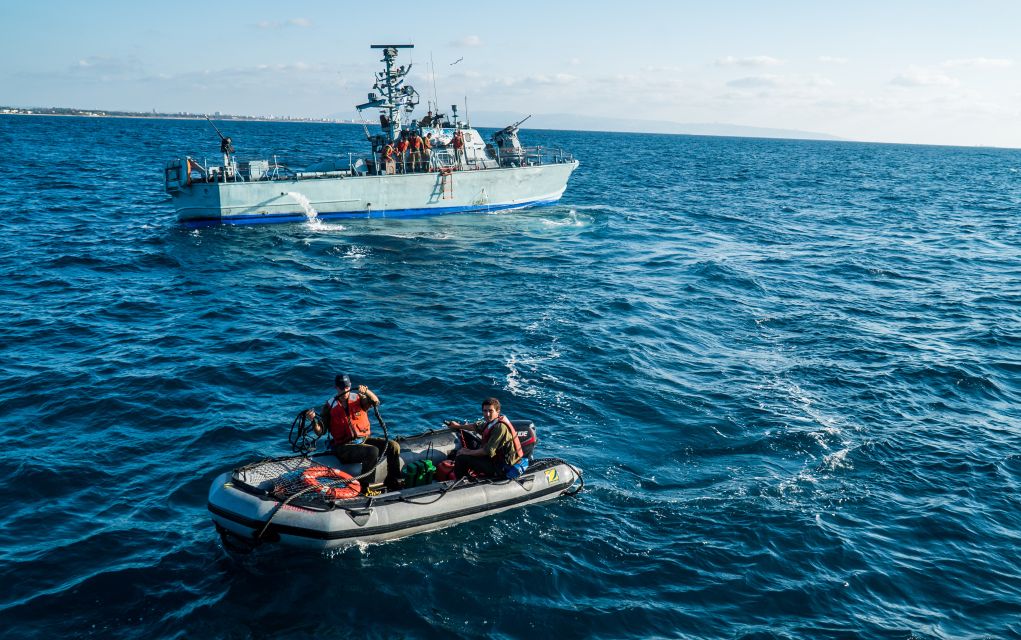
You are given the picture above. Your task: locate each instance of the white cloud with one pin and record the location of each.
(750, 61)
(832, 60)
(538, 80)
(979, 63)
(919, 77)
(792, 82)
(467, 41)
(303, 23)
(107, 67)
(755, 82)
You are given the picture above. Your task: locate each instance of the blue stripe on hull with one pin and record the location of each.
(270, 218)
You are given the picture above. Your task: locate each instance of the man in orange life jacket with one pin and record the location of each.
(344, 417)
(427, 150)
(415, 154)
(402, 151)
(389, 164)
(500, 452)
(458, 143)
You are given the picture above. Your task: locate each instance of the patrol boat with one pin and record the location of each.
(478, 176)
(312, 501)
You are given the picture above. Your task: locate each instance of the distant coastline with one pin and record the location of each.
(183, 115)
(490, 119)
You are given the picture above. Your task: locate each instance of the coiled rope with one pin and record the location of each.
(303, 436)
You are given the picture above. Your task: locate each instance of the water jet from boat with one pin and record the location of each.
(310, 211)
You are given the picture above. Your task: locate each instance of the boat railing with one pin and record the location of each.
(531, 156)
(440, 159)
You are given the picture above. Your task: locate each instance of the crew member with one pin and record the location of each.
(499, 455)
(345, 418)
(427, 151)
(402, 151)
(388, 158)
(459, 148)
(416, 152)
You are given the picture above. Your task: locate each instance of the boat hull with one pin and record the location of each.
(245, 515)
(371, 196)
(247, 506)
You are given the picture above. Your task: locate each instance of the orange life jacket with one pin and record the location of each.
(510, 427)
(389, 151)
(348, 421)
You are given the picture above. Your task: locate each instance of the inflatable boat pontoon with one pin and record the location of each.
(284, 500)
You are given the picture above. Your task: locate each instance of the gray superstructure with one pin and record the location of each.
(453, 178)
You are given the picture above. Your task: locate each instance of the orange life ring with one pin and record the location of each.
(350, 488)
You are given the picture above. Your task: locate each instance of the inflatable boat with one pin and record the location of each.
(314, 501)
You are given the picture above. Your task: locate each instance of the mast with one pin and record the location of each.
(396, 95)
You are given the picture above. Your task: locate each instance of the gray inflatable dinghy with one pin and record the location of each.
(304, 501)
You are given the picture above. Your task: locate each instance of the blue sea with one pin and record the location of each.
(790, 371)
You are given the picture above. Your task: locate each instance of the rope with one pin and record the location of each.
(276, 509)
(443, 492)
(382, 453)
(303, 437)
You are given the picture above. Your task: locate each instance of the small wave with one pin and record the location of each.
(570, 220)
(836, 461)
(321, 227)
(351, 252)
(517, 383)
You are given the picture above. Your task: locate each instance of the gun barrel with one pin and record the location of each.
(217, 130)
(521, 121)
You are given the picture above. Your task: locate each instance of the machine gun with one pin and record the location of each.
(226, 148)
(506, 139)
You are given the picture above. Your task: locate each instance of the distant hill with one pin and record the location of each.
(634, 125)
(568, 122)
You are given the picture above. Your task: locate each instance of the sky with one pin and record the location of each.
(910, 71)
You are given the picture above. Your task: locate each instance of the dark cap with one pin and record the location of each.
(342, 381)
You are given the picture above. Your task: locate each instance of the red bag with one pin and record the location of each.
(445, 471)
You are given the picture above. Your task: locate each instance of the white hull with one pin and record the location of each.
(370, 196)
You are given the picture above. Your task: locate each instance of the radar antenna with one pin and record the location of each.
(396, 95)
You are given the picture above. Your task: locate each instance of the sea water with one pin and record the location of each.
(790, 371)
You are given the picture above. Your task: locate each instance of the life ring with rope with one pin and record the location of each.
(313, 477)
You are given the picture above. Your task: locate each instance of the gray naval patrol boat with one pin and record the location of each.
(456, 178)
